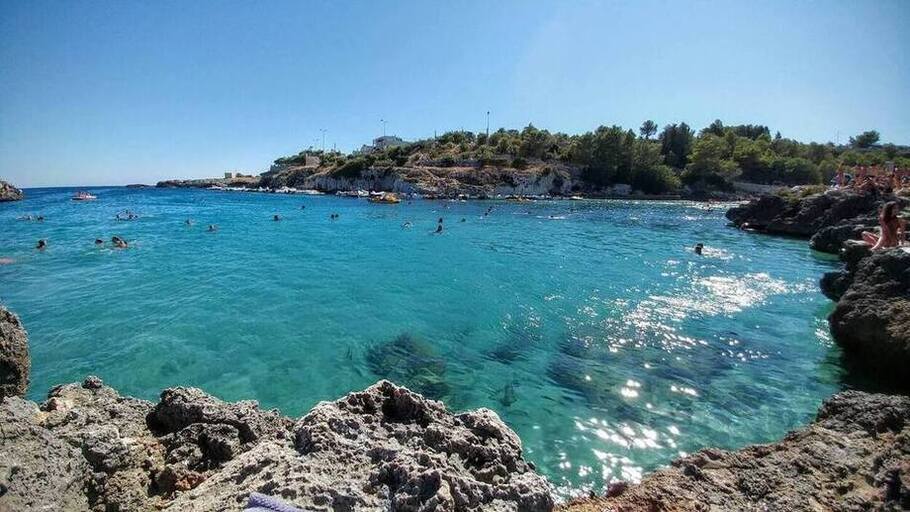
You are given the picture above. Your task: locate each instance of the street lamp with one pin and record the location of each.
(488, 124)
(384, 122)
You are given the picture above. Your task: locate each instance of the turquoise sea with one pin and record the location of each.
(591, 327)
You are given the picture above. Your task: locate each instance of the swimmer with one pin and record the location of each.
(406, 225)
(25, 217)
(99, 241)
(212, 228)
(41, 245)
(303, 207)
(463, 220)
(698, 248)
(276, 217)
(188, 222)
(440, 220)
(119, 243)
(40, 218)
(439, 229)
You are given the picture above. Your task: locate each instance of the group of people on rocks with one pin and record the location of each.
(873, 179)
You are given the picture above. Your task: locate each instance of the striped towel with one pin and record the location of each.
(262, 503)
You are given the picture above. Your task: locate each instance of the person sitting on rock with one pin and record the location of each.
(890, 226)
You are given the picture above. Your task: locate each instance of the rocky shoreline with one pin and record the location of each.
(387, 448)
(436, 183)
(9, 193)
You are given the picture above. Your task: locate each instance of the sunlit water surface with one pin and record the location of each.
(591, 327)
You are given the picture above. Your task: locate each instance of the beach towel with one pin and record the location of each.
(262, 503)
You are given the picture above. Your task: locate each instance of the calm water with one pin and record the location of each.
(589, 326)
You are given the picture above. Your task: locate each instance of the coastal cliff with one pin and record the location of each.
(871, 318)
(9, 192)
(826, 218)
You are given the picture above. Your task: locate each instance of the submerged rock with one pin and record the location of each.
(14, 359)
(411, 361)
(9, 192)
(854, 456)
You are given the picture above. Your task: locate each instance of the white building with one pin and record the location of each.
(379, 143)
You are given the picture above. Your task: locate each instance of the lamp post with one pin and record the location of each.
(488, 125)
(384, 122)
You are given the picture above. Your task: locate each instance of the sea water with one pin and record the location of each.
(590, 327)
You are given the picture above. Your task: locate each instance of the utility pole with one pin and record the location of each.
(384, 122)
(488, 125)
(323, 139)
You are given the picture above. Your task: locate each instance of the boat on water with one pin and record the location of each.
(385, 198)
(83, 196)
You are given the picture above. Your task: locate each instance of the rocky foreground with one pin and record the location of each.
(9, 192)
(386, 448)
(854, 456)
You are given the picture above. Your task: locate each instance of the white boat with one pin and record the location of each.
(83, 196)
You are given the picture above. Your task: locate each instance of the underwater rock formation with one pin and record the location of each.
(411, 361)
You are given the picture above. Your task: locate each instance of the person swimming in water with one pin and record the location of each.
(699, 247)
(212, 228)
(99, 241)
(276, 217)
(42, 244)
(438, 229)
(406, 225)
(119, 243)
(188, 222)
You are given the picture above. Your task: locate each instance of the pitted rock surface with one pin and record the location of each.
(14, 359)
(855, 456)
(385, 448)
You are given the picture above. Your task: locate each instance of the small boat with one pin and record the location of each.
(83, 196)
(385, 198)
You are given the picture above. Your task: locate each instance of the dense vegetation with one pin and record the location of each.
(651, 162)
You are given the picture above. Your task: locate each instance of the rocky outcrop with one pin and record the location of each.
(385, 448)
(14, 359)
(427, 180)
(854, 456)
(827, 218)
(9, 192)
(871, 320)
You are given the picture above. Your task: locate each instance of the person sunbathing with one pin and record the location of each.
(891, 229)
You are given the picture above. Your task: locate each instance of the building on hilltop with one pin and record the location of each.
(380, 143)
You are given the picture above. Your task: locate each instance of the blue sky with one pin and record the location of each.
(123, 92)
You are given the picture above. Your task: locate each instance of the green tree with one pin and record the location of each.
(709, 165)
(676, 144)
(648, 129)
(866, 139)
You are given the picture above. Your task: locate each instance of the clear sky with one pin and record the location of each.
(124, 92)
